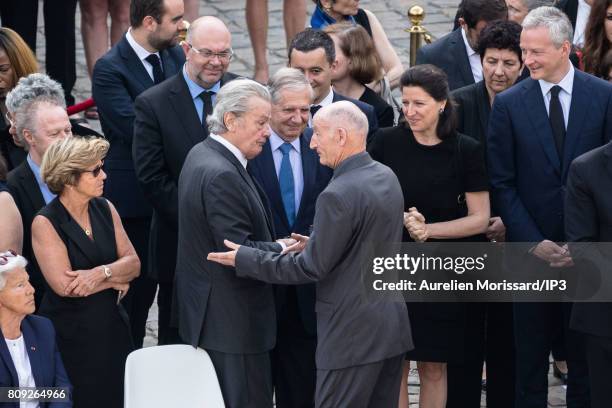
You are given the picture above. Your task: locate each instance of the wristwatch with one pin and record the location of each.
(107, 271)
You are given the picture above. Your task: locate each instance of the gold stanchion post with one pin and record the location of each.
(418, 33)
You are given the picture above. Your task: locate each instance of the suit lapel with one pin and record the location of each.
(31, 344)
(460, 55)
(578, 109)
(484, 109)
(5, 355)
(168, 64)
(271, 183)
(608, 154)
(536, 111)
(309, 170)
(134, 64)
(30, 185)
(183, 106)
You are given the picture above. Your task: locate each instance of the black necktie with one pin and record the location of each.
(206, 97)
(158, 74)
(314, 109)
(557, 122)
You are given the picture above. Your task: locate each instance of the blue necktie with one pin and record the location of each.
(285, 179)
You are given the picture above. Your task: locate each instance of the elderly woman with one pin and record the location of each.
(444, 181)
(333, 11)
(88, 262)
(16, 61)
(27, 344)
(10, 219)
(358, 64)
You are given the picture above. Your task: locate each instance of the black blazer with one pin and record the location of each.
(366, 109)
(159, 149)
(569, 7)
(29, 200)
(449, 54)
(473, 110)
(118, 78)
(316, 178)
(384, 111)
(588, 218)
(219, 200)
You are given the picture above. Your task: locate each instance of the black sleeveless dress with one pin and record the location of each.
(93, 334)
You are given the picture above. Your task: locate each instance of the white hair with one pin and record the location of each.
(557, 23)
(13, 263)
(288, 79)
(345, 114)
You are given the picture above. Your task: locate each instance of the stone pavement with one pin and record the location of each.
(391, 13)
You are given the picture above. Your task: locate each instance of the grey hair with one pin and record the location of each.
(534, 4)
(22, 100)
(559, 26)
(347, 115)
(234, 97)
(288, 79)
(13, 263)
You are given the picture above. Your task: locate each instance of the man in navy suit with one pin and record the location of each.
(145, 56)
(313, 52)
(536, 129)
(292, 178)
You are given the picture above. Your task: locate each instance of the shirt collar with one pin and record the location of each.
(194, 89)
(328, 100)
(233, 149)
(567, 83)
(35, 168)
(468, 48)
(140, 51)
(276, 141)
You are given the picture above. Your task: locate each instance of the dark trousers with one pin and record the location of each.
(599, 359)
(374, 385)
(293, 359)
(167, 334)
(140, 297)
(60, 38)
(536, 325)
(245, 379)
(488, 336)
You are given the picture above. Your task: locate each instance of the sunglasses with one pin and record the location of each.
(4, 257)
(96, 171)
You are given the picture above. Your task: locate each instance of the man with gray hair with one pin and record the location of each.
(361, 342)
(518, 9)
(536, 129)
(232, 318)
(159, 149)
(292, 178)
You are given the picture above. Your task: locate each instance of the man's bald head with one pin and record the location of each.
(340, 131)
(207, 25)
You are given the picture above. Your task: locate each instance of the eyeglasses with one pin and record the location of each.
(4, 257)
(96, 171)
(224, 56)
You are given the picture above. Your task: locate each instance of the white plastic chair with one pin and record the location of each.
(171, 376)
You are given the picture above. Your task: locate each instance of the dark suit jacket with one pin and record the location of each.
(45, 359)
(527, 175)
(218, 200)
(316, 178)
(449, 54)
(588, 218)
(473, 110)
(368, 110)
(29, 200)
(166, 127)
(362, 203)
(118, 78)
(569, 7)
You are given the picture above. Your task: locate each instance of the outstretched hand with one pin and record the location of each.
(225, 258)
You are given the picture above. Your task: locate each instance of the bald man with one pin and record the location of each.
(361, 343)
(170, 120)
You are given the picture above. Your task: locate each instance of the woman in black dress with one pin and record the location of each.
(88, 262)
(444, 181)
(358, 64)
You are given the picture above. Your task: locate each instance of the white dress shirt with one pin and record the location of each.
(235, 151)
(474, 57)
(328, 100)
(141, 52)
(565, 96)
(21, 361)
(295, 158)
(582, 17)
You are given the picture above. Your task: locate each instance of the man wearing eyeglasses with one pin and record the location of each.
(170, 120)
(147, 55)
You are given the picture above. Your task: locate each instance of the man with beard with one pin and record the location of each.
(145, 56)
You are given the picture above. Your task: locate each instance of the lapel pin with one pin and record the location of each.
(32, 348)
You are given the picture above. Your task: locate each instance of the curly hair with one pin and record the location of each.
(501, 35)
(65, 160)
(596, 44)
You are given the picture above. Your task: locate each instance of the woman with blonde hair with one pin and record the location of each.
(88, 262)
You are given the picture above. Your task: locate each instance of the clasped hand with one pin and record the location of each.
(84, 283)
(557, 256)
(414, 222)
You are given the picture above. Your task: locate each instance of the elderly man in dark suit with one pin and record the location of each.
(232, 318)
(145, 56)
(361, 343)
(170, 120)
(588, 218)
(290, 174)
(536, 129)
(313, 52)
(456, 53)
